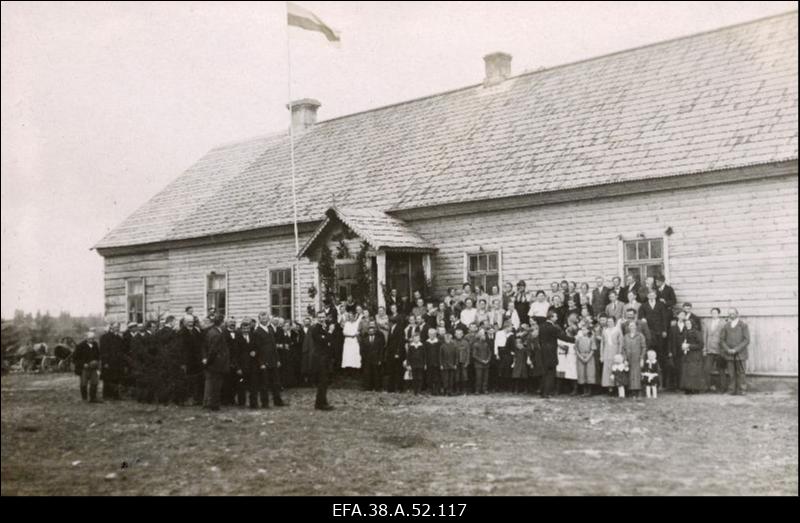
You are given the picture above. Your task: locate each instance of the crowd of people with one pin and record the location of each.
(569, 339)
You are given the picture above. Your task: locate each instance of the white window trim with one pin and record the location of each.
(292, 297)
(144, 298)
(648, 235)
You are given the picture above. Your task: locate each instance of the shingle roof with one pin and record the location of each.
(722, 99)
(377, 228)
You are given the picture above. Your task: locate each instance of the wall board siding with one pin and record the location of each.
(154, 267)
(732, 245)
(246, 263)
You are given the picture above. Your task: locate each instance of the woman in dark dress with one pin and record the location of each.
(690, 343)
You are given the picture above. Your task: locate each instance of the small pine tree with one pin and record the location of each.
(327, 272)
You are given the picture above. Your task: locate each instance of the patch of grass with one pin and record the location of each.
(398, 444)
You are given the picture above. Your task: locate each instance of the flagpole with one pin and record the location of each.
(291, 136)
(295, 275)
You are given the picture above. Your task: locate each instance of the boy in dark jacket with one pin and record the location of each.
(481, 353)
(449, 364)
(464, 357)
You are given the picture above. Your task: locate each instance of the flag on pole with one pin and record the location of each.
(305, 19)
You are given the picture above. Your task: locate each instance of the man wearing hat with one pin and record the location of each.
(87, 363)
(112, 348)
(128, 338)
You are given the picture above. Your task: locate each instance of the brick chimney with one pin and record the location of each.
(304, 114)
(498, 68)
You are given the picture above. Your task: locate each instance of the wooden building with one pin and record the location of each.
(678, 157)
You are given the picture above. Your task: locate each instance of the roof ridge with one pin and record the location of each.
(561, 66)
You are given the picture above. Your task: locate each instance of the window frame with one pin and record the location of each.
(225, 291)
(289, 284)
(128, 297)
(624, 264)
(479, 273)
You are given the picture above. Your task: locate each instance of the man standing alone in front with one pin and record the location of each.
(322, 336)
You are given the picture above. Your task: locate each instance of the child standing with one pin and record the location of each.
(584, 351)
(433, 362)
(619, 372)
(449, 364)
(650, 375)
(415, 360)
(634, 347)
(519, 372)
(462, 372)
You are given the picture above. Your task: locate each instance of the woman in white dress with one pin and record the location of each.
(351, 352)
(610, 346)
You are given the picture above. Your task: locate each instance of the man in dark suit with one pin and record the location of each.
(618, 289)
(697, 324)
(111, 354)
(141, 345)
(86, 359)
(247, 366)
(631, 286)
(393, 357)
(321, 358)
(666, 294)
(165, 338)
(265, 337)
(373, 346)
(599, 296)
(191, 343)
(549, 335)
(229, 383)
(216, 361)
(657, 317)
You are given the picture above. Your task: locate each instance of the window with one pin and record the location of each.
(643, 258)
(134, 292)
(280, 293)
(345, 280)
(216, 292)
(483, 270)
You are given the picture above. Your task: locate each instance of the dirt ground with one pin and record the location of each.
(384, 444)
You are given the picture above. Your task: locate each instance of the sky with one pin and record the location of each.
(103, 104)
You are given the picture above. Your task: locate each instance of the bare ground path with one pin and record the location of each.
(378, 443)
